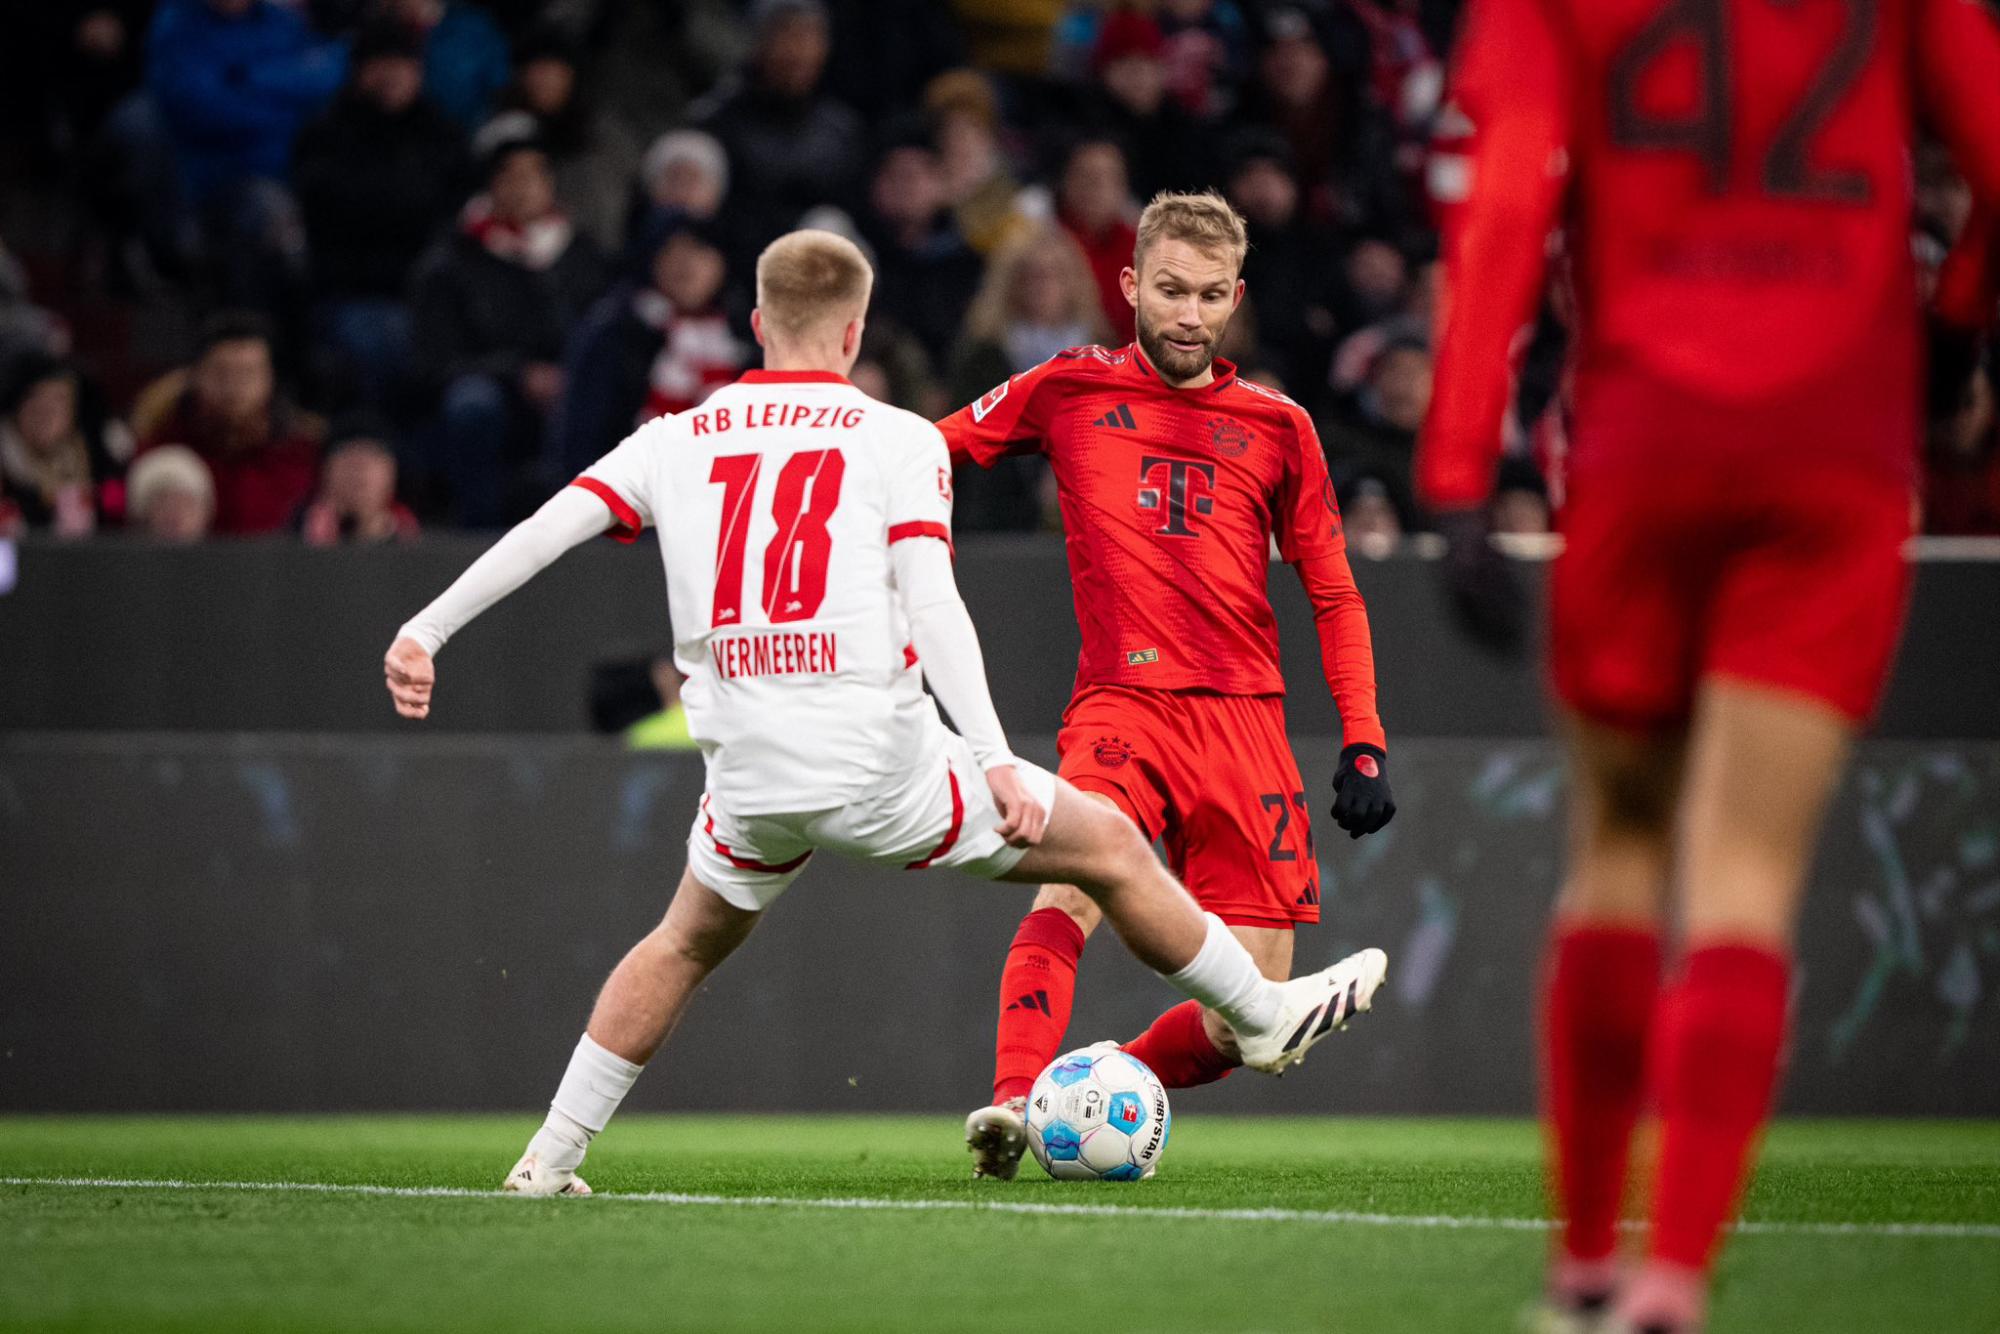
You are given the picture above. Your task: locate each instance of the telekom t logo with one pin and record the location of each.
(1179, 482)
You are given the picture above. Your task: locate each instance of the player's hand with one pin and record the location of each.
(411, 674)
(1022, 818)
(1955, 353)
(1362, 802)
(1486, 594)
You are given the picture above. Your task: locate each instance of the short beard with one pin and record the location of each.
(1175, 365)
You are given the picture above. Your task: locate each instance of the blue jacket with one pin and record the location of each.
(234, 92)
(466, 64)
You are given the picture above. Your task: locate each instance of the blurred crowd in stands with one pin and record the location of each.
(348, 268)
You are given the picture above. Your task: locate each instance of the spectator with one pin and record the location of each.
(791, 147)
(925, 273)
(1962, 464)
(685, 174)
(1166, 148)
(885, 51)
(377, 176)
(1373, 284)
(234, 80)
(356, 503)
(1520, 499)
(1297, 96)
(170, 495)
(594, 154)
(899, 370)
(61, 459)
(465, 56)
(1011, 37)
(1373, 516)
(659, 343)
(1094, 204)
(26, 330)
(262, 453)
(492, 307)
(1207, 54)
(1379, 437)
(1037, 300)
(1286, 267)
(965, 124)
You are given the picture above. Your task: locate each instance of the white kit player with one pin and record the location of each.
(806, 531)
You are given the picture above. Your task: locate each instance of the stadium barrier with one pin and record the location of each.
(279, 922)
(279, 637)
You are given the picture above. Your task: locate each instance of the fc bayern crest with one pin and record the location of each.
(1231, 438)
(1111, 751)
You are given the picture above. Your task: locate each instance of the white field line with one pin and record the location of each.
(1978, 1231)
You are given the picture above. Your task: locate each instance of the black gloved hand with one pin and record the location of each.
(1485, 592)
(1362, 802)
(1954, 356)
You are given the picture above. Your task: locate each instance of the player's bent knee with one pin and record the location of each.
(1631, 796)
(1072, 902)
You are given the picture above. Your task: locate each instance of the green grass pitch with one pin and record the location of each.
(1276, 1225)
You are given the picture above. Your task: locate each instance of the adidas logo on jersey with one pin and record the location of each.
(1119, 417)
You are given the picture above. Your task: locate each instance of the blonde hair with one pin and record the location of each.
(992, 309)
(1204, 221)
(810, 279)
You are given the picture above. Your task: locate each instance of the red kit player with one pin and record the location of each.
(1734, 179)
(1174, 477)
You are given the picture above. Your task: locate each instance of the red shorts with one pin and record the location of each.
(1789, 578)
(1213, 778)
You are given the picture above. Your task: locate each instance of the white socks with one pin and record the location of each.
(591, 1089)
(1224, 977)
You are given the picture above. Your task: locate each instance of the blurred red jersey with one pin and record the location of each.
(1736, 184)
(1170, 501)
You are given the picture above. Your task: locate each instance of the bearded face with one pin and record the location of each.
(1183, 297)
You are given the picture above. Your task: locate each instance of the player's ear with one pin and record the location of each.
(850, 337)
(1128, 283)
(757, 326)
(1237, 300)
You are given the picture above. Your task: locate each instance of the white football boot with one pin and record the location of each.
(997, 1136)
(1313, 1006)
(530, 1177)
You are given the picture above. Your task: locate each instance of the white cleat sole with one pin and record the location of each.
(529, 1177)
(997, 1137)
(1318, 1004)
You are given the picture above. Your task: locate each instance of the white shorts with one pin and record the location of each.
(937, 811)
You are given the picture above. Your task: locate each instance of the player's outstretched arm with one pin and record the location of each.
(948, 647)
(570, 517)
(1958, 78)
(1498, 177)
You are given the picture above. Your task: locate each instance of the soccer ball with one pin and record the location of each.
(1098, 1115)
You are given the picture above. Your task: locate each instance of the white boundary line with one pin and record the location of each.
(1975, 1231)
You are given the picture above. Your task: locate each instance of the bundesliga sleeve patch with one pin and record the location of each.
(991, 400)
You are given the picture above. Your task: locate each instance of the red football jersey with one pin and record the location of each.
(1735, 178)
(1170, 500)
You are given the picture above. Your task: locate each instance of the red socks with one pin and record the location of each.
(1720, 1035)
(1036, 989)
(1599, 989)
(1178, 1049)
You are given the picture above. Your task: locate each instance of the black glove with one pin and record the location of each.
(1954, 356)
(1361, 799)
(1485, 592)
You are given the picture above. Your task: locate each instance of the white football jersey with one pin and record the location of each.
(776, 501)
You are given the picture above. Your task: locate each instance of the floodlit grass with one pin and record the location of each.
(211, 1257)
